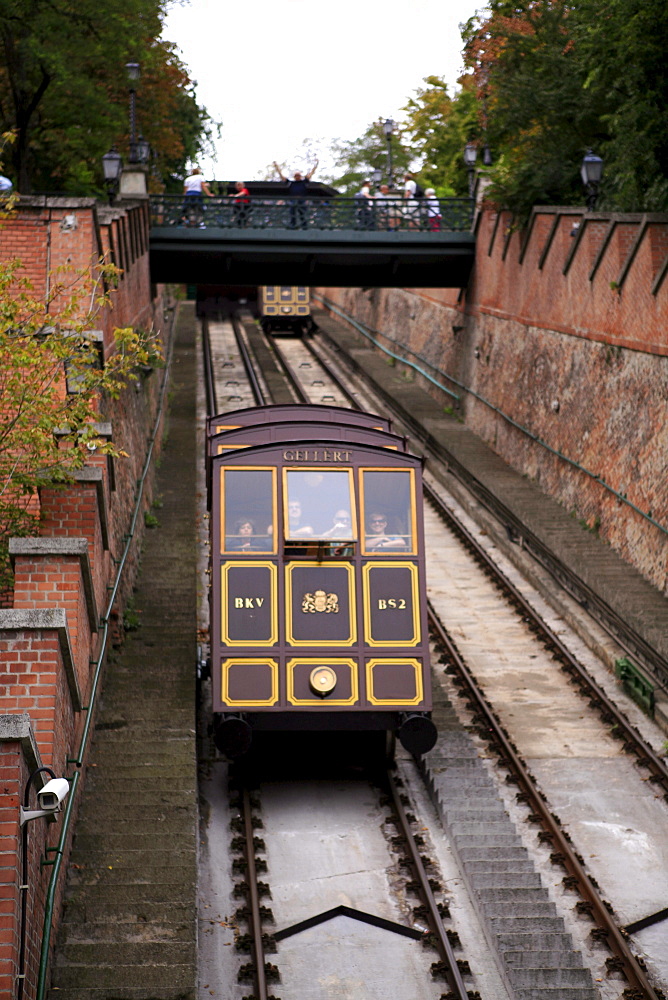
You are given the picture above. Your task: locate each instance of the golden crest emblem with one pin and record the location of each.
(319, 601)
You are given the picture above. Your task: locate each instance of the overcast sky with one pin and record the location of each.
(278, 73)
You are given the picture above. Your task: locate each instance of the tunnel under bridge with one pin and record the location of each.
(337, 242)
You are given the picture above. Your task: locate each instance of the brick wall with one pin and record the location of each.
(564, 328)
(49, 635)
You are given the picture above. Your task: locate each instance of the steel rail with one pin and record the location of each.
(209, 383)
(577, 878)
(585, 682)
(332, 375)
(254, 898)
(435, 921)
(256, 388)
(288, 371)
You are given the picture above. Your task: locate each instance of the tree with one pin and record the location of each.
(358, 158)
(439, 127)
(555, 78)
(43, 351)
(64, 93)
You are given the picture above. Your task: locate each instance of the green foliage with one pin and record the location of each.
(554, 78)
(45, 430)
(358, 158)
(439, 127)
(64, 90)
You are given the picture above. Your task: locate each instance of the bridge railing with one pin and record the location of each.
(328, 214)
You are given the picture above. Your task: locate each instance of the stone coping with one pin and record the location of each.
(55, 546)
(17, 728)
(46, 620)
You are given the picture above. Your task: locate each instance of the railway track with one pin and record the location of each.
(308, 376)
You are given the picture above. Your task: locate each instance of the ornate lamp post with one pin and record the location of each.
(591, 172)
(470, 156)
(134, 72)
(112, 164)
(388, 128)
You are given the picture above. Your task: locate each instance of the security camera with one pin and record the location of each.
(53, 794)
(50, 800)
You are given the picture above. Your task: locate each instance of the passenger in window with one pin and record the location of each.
(243, 539)
(377, 536)
(296, 527)
(341, 526)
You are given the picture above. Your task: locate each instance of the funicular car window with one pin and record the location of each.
(248, 510)
(319, 505)
(388, 511)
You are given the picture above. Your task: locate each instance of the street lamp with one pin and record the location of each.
(470, 156)
(591, 172)
(134, 72)
(142, 149)
(388, 128)
(111, 166)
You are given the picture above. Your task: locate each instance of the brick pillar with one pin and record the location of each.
(55, 573)
(38, 676)
(80, 510)
(19, 757)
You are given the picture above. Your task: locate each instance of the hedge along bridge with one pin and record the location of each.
(321, 240)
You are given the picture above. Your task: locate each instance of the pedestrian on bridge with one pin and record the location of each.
(241, 204)
(194, 189)
(297, 189)
(433, 206)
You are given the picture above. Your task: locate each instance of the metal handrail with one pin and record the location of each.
(388, 214)
(59, 851)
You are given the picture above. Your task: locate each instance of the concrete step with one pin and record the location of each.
(131, 931)
(115, 976)
(503, 866)
(550, 978)
(122, 993)
(131, 839)
(466, 840)
(149, 874)
(127, 896)
(496, 854)
(515, 896)
(530, 943)
(98, 954)
(558, 958)
(108, 785)
(505, 924)
(482, 828)
(137, 916)
(534, 909)
(483, 812)
(556, 993)
(505, 880)
(140, 814)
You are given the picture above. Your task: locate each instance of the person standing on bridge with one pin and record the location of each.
(241, 204)
(194, 188)
(298, 189)
(433, 210)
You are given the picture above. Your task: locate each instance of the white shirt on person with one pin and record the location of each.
(193, 184)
